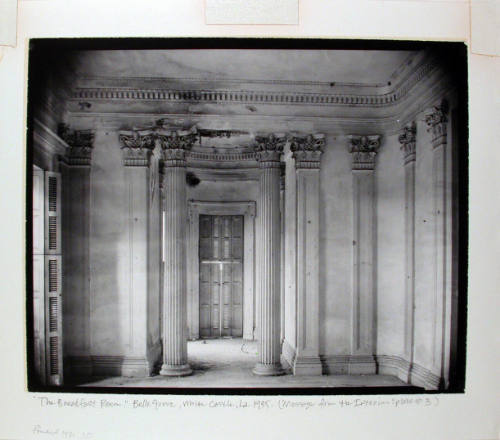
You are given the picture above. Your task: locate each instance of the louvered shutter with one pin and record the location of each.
(39, 275)
(53, 281)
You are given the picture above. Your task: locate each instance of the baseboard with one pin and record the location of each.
(154, 357)
(128, 366)
(78, 366)
(307, 366)
(394, 366)
(287, 354)
(422, 377)
(349, 364)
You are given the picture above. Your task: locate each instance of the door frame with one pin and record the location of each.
(247, 210)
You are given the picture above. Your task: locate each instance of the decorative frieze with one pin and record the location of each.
(81, 143)
(137, 147)
(268, 149)
(307, 150)
(407, 139)
(364, 151)
(436, 123)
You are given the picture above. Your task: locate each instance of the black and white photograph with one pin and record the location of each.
(245, 215)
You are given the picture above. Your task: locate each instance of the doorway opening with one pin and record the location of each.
(221, 276)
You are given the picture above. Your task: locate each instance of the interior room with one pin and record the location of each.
(219, 217)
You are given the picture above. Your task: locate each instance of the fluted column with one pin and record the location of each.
(363, 150)
(407, 139)
(269, 149)
(436, 122)
(174, 147)
(282, 254)
(307, 154)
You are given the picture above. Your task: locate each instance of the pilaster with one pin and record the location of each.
(137, 148)
(407, 139)
(174, 146)
(364, 151)
(307, 154)
(75, 190)
(268, 150)
(436, 121)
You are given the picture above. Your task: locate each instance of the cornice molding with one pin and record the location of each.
(256, 97)
(407, 139)
(307, 150)
(364, 150)
(81, 144)
(49, 141)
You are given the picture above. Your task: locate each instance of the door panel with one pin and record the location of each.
(221, 251)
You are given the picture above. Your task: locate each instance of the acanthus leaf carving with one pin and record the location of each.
(307, 150)
(436, 120)
(268, 149)
(81, 143)
(137, 147)
(364, 150)
(175, 145)
(407, 139)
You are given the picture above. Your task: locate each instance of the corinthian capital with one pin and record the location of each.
(363, 150)
(175, 145)
(436, 123)
(136, 147)
(407, 139)
(81, 143)
(268, 149)
(307, 150)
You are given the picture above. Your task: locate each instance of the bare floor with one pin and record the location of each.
(228, 363)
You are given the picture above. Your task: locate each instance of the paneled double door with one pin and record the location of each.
(221, 276)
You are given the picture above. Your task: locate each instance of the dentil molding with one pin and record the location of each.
(256, 96)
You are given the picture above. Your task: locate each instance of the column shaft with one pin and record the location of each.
(269, 248)
(175, 294)
(269, 267)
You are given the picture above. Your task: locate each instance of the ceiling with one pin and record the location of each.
(356, 67)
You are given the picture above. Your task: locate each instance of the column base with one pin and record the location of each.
(307, 366)
(268, 370)
(175, 370)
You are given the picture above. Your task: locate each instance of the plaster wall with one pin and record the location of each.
(389, 248)
(110, 265)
